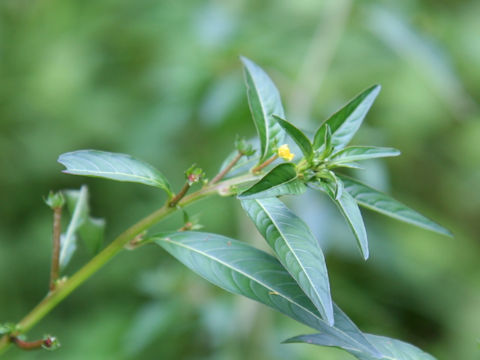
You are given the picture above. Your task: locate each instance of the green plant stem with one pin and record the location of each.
(62, 290)
(229, 167)
(57, 229)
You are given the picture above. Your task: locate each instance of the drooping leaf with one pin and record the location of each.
(299, 137)
(78, 216)
(345, 122)
(349, 209)
(242, 269)
(358, 153)
(264, 100)
(91, 230)
(295, 247)
(377, 201)
(114, 166)
(390, 349)
(281, 180)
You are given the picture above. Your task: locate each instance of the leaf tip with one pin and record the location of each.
(245, 61)
(446, 232)
(376, 88)
(365, 253)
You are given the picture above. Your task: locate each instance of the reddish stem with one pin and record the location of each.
(57, 229)
(31, 345)
(179, 196)
(225, 171)
(264, 164)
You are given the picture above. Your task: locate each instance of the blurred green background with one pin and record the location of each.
(162, 80)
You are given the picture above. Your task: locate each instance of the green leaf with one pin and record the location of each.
(338, 188)
(349, 209)
(241, 269)
(390, 349)
(79, 214)
(92, 233)
(377, 201)
(345, 122)
(281, 180)
(264, 101)
(90, 229)
(327, 142)
(358, 153)
(114, 166)
(296, 248)
(299, 137)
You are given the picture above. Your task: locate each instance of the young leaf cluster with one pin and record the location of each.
(294, 280)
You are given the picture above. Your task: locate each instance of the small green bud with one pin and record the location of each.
(194, 174)
(50, 343)
(55, 200)
(244, 147)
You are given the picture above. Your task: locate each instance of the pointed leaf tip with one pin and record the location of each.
(296, 247)
(350, 211)
(346, 121)
(380, 202)
(264, 101)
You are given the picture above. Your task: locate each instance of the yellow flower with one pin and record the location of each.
(284, 152)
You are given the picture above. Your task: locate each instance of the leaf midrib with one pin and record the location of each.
(265, 115)
(74, 220)
(152, 179)
(293, 252)
(262, 284)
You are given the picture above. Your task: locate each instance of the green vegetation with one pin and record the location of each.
(416, 286)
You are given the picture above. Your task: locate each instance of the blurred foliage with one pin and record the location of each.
(162, 80)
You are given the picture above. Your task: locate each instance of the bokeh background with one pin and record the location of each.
(161, 80)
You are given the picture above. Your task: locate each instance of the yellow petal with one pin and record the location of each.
(284, 153)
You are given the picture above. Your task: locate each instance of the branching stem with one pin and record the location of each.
(61, 291)
(183, 191)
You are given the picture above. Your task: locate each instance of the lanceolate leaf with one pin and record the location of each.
(241, 269)
(264, 100)
(68, 239)
(120, 167)
(349, 209)
(281, 180)
(296, 248)
(358, 153)
(299, 137)
(382, 203)
(345, 122)
(390, 349)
